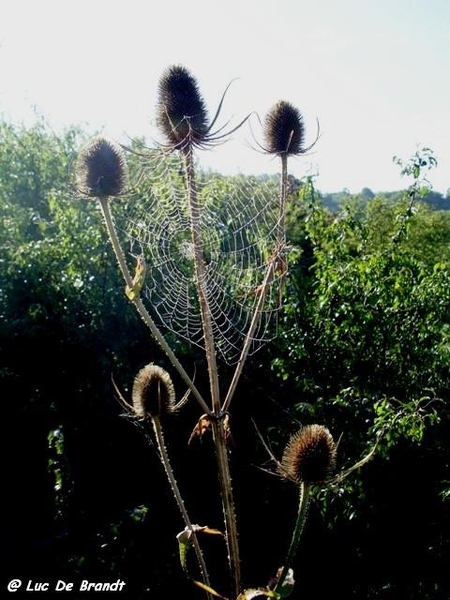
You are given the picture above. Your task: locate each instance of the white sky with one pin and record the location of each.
(376, 73)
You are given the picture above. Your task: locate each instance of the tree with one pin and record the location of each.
(367, 194)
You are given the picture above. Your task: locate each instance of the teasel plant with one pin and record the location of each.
(309, 459)
(102, 174)
(153, 399)
(309, 463)
(183, 119)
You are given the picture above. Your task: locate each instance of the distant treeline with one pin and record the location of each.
(334, 200)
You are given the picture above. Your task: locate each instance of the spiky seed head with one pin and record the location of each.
(284, 130)
(310, 455)
(153, 392)
(181, 111)
(101, 169)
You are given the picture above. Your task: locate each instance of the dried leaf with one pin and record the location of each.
(184, 543)
(138, 279)
(203, 425)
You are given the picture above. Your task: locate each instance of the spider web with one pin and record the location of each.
(238, 223)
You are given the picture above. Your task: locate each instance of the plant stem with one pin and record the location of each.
(268, 279)
(249, 336)
(107, 215)
(179, 500)
(200, 277)
(106, 209)
(219, 435)
(281, 229)
(302, 513)
(226, 490)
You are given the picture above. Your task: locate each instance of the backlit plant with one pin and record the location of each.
(310, 455)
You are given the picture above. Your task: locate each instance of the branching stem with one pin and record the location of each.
(208, 334)
(106, 209)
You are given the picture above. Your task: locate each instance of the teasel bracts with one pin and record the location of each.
(101, 169)
(153, 392)
(181, 110)
(310, 455)
(284, 130)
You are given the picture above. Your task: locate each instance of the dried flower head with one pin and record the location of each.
(284, 130)
(101, 169)
(153, 392)
(310, 455)
(181, 111)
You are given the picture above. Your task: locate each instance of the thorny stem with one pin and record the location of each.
(229, 512)
(200, 277)
(106, 209)
(217, 422)
(302, 513)
(179, 500)
(268, 279)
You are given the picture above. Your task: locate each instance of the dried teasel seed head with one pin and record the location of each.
(101, 169)
(181, 111)
(310, 455)
(153, 392)
(284, 130)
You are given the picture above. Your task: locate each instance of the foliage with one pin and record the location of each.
(366, 330)
(363, 347)
(59, 343)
